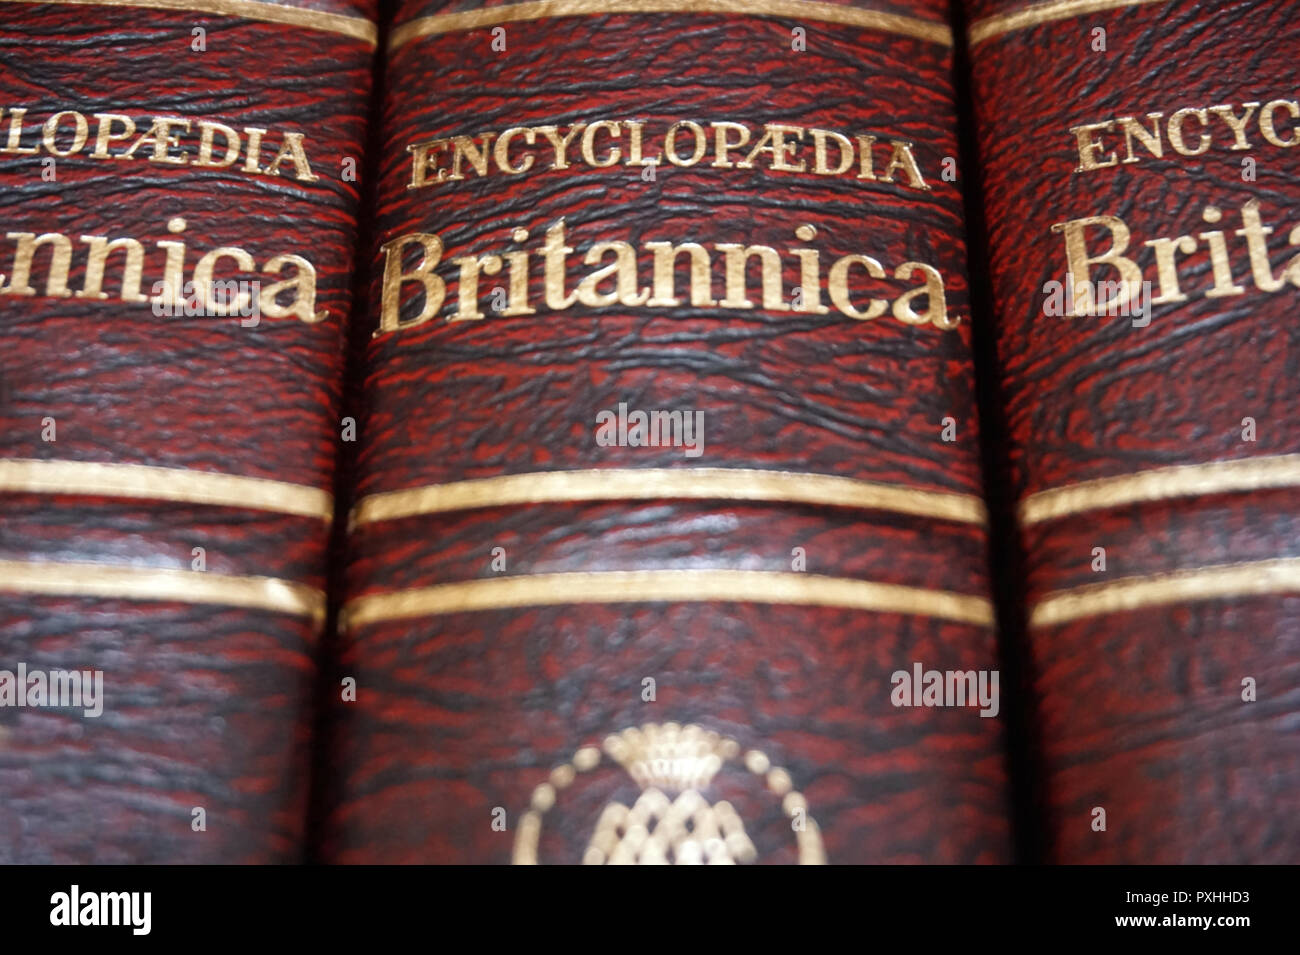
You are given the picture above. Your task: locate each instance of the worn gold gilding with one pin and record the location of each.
(674, 586)
(1252, 579)
(786, 9)
(96, 479)
(118, 582)
(1048, 12)
(731, 484)
(1159, 484)
(355, 27)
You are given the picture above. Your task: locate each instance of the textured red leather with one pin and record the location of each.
(1141, 709)
(206, 705)
(460, 716)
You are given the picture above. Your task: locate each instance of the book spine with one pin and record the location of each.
(669, 516)
(1139, 172)
(179, 206)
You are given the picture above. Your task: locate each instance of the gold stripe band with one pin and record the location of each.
(729, 484)
(672, 586)
(356, 27)
(96, 479)
(785, 9)
(1259, 578)
(1047, 12)
(116, 582)
(1159, 484)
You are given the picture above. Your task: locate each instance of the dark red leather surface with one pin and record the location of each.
(459, 714)
(1141, 711)
(205, 705)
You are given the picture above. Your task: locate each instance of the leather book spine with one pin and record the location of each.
(669, 539)
(179, 206)
(1141, 182)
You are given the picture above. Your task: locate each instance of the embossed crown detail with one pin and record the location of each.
(670, 756)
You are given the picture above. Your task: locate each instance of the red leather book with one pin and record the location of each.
(668, 533)
(1152, 448)
(180, 210)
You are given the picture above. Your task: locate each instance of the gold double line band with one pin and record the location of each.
(96, 479)
(1159, 484)
(727, 484)
(670, 586)
(785, 9)
(1047, 12)
(1254, 579)
(356, 27)
(117, 582)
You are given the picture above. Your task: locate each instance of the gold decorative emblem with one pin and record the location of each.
(670, 822)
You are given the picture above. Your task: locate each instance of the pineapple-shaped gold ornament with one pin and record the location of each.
(670, 822)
